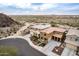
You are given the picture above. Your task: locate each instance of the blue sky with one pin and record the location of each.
(21, 7)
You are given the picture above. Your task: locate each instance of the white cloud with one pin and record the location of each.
(44, 6)
(17, 3)
(35, 7)
(24, 4)
(47, 6)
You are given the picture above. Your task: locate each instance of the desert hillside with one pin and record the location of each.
(6, 21)
(8, 26)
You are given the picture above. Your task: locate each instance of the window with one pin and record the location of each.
(55, 38)
(44, 34)
(45, 39)
(77, 52)
(41, 37)
(58, 39)
(77, 39)
(52, 37)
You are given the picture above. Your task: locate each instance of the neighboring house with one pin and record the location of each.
(35, 28)
(72, 39)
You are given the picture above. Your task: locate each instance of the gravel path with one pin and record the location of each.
(24, 49)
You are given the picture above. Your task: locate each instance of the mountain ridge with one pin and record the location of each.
(6, 21)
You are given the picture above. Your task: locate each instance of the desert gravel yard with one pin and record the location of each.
(24, 49)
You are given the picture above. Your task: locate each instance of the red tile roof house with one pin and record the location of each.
(52, 33)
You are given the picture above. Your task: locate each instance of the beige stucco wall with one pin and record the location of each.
(47, 36)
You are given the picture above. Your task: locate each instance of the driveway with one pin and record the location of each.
(50, 46)
(24, 49)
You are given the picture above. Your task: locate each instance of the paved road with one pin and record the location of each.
(24, 49)
(22, 29)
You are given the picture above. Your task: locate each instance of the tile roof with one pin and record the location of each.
(52, 29)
